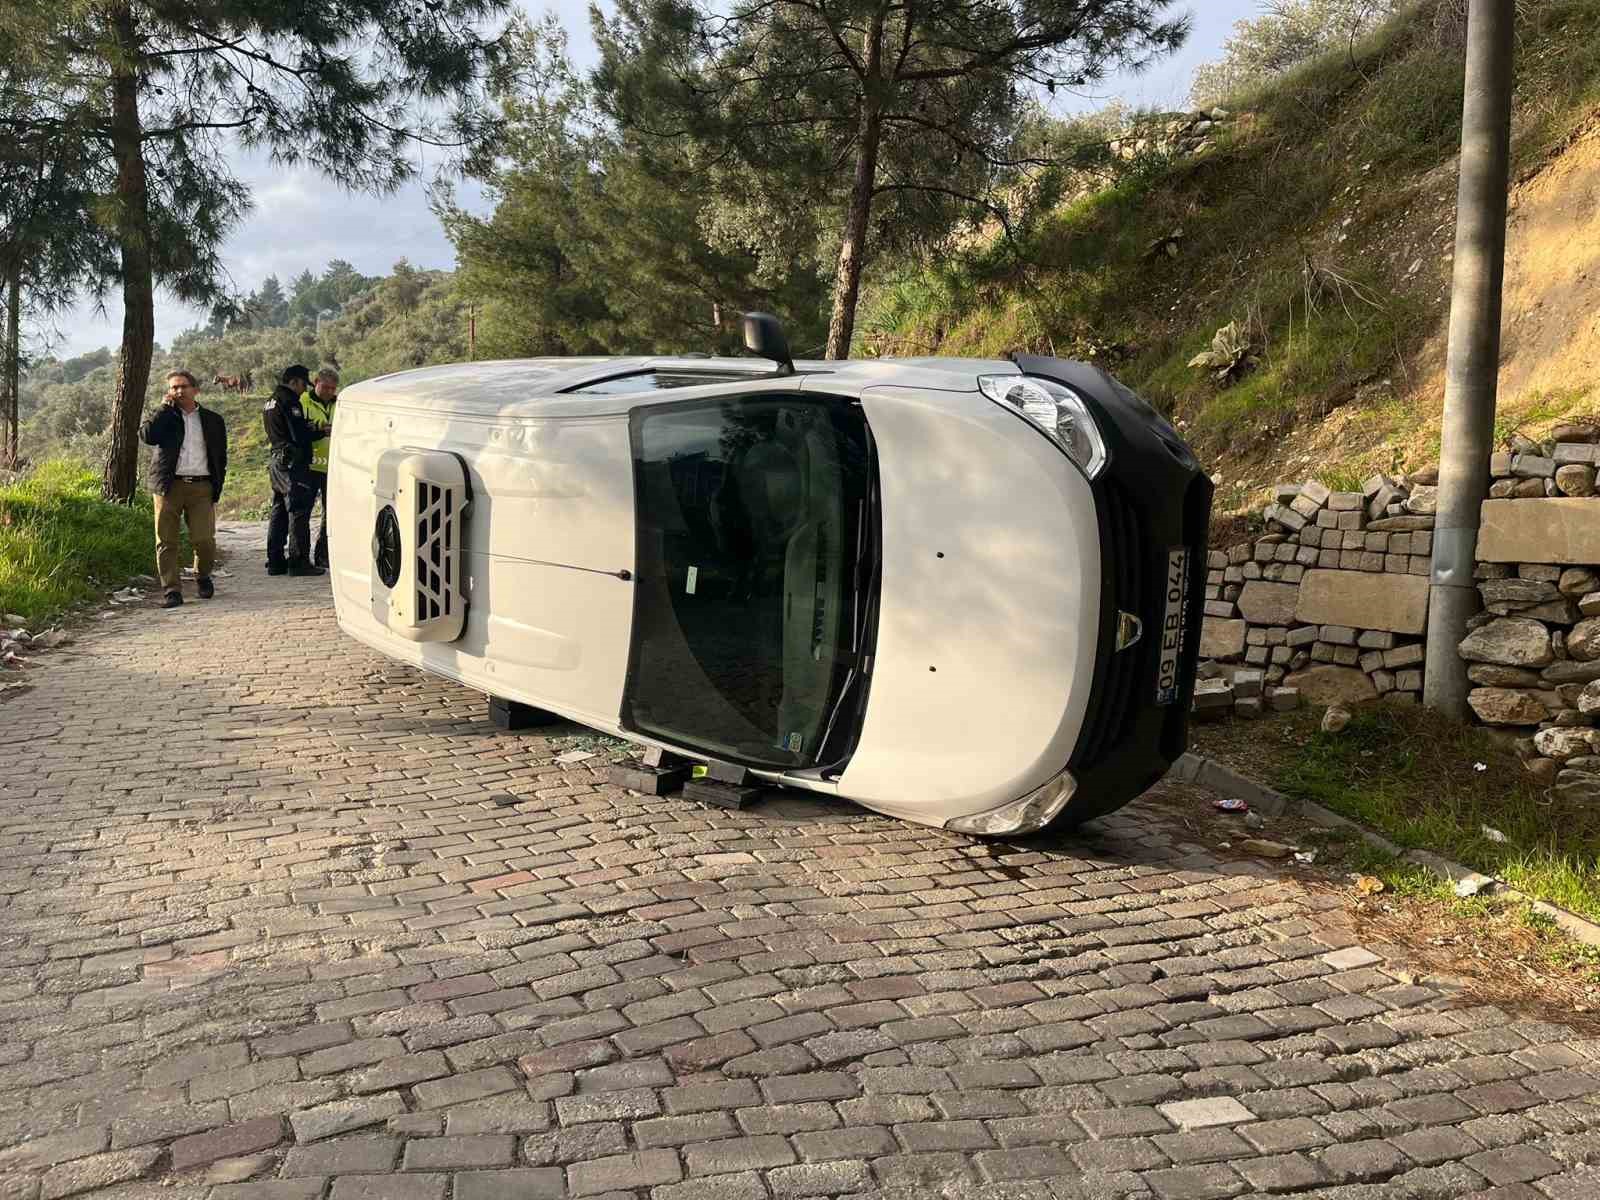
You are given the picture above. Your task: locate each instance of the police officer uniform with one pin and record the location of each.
(292, 438)
(320, 413)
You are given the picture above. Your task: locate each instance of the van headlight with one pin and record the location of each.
(1056, 409)
(1027, 815)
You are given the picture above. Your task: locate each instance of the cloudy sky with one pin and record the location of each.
(302, 219)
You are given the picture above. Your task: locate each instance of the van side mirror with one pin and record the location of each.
(763, 336)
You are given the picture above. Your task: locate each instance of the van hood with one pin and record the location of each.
(988, 611)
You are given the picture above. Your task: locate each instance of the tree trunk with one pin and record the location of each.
(138, 280)
(852, 248)
(11, 407)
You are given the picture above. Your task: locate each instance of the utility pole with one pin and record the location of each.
(472, 333)
(1473, 365)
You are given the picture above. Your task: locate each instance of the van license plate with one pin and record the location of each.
(1173, 624)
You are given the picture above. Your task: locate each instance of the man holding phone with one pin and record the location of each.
(188, 461)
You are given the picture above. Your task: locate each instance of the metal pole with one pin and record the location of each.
(1472, 370)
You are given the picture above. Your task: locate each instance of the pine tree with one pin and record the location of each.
(911, 107)
(159, 83)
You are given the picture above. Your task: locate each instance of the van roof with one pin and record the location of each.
(500, 382)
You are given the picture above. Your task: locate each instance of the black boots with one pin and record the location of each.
(304, 568)
(205, 588)
(173, 600)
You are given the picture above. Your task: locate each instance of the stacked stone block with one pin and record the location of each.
(1258, 617)
(1534, 651)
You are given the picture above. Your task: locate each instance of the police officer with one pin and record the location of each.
(319, 404)
(292, 438)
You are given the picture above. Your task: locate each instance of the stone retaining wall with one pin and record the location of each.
(1535, 649)
(1330, 604)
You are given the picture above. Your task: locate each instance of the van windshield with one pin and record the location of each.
(756, 573)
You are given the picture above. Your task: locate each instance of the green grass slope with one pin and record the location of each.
(62, 546)
(1316, 222)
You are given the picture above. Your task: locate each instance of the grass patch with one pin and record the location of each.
(61, 545)
(1429, 783)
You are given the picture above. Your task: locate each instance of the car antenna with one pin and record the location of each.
(763, 336)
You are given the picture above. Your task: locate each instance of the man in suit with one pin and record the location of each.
(292, 437)
(188, 461)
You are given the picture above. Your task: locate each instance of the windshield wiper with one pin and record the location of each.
(864, 597)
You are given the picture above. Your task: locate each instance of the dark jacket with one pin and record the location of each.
(163, 432)
(290, 434)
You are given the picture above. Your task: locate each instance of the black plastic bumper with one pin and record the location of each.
(1151, 498)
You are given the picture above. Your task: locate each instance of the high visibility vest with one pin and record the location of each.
(319, 413)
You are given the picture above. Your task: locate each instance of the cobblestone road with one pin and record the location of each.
(281, 919)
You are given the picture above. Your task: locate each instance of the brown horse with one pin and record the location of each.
(233, 383)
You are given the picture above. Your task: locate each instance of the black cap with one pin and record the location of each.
(296, 372)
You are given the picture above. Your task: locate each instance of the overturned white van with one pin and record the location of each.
(965, 593)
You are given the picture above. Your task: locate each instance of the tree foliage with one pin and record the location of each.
(1287, 33)
(598, 242)
(158, 84)
(851, 126)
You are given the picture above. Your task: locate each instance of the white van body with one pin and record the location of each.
(507, 495)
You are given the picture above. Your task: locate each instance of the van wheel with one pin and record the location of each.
(512, 716)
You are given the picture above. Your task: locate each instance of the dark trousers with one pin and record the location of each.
(319, 490)
(289, 528)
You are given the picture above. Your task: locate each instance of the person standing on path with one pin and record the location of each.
(292, 438)
(188, 461)
(319, 404)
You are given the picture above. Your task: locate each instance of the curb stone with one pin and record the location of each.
(1207, 772)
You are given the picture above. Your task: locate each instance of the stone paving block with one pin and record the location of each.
(624, 1172)
(1513, 1164)
(390, 1187)
(836, 1178)
(746, 1185)
(1034, 1162)
(97, 1171)
(228, 1142)
(55, 1148)
(341, 1116)
(1194, 1183)
(459, 1153)
(458, 1089)
(860, 1142)
(347, 1155)
(508, 1113)
(737, 1154)
(535, 1183)
(271, 1189)
(1201, 1114)
(1282, 1173)
(1354, 1161)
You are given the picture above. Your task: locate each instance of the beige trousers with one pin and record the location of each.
(191, 504)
